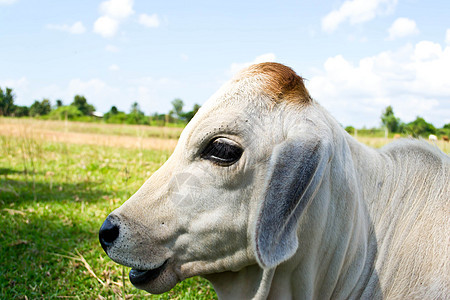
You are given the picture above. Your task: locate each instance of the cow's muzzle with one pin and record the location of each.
(108, 234)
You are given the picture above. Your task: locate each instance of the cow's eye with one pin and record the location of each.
(222, 151)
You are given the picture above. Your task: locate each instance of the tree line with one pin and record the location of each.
(80, 110)
(417, 128)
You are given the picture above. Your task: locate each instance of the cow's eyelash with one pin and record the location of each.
(222, 151)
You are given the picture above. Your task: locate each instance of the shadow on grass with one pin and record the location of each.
(7, 171)
(31, 242)
(23, 191)
(41, 239)
(40, 242)
(34, 234)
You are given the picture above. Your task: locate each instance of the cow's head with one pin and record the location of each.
(231, 194)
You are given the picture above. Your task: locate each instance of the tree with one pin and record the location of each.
(80, 102)
(40, 108)
(190, 114)
(159, 119)
(419, 127)
(115, 116)
(113, 110)
(350, 129)
(177, 108)
(136, 116)
(6, 102)
(135, 109)
(46, 106)
(21, 111)
(389, 120)
(445, 130)
(59, 103)
(63, 112)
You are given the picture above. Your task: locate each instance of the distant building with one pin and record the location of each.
(97, 114)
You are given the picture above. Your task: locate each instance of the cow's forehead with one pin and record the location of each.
(278, 81)
(260, 86)
(246, 100)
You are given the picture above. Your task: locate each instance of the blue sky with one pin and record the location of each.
(357, 56)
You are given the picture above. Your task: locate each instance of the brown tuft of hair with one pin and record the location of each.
(280, 82)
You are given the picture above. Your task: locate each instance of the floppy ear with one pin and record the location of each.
(295, 173)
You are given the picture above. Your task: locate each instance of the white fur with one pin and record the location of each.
(376, 227)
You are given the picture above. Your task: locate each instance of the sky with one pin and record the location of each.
(356, 56)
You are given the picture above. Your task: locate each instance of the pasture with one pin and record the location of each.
(58, 182)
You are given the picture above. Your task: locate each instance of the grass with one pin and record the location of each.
(53, 198)
(58, 182)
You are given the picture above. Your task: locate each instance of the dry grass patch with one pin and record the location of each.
(98, 128)
(377, 142)
(46, 131)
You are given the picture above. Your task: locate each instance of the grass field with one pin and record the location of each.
(58, 182)
(54, 196)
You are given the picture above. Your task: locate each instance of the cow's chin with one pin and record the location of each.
(155, 281)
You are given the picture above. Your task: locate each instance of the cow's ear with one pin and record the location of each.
(295, 173)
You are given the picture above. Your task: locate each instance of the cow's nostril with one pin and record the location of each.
(108, 233)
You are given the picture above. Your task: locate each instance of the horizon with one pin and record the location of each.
(357, 57)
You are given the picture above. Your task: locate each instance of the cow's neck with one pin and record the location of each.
(340, 262)
(252, 282)
(373, 169)
(400, 184)
(336, 249)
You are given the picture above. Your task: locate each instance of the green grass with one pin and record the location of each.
(53, 199)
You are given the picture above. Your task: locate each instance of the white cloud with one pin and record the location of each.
(402, 27)
(19, 86)
(77, 86)
(117, 9)
(114, 67)
(96, 91)
(149, 21)
(146, 91)
(447, 37)
(14, 83)
(113, 12)
(150, 93)
(184, 57)
(357, 11)
(75, 28)
(106, 26)
(415, 80)
(25, 93)
(426, 50)
(112, 48)
(236, 67)
(7, 2)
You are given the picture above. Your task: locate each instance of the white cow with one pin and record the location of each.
(267, 196)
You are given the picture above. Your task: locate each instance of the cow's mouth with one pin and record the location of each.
(142, 277)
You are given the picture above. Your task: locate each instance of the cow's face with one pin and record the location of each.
(191, 217)
(198, 213)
